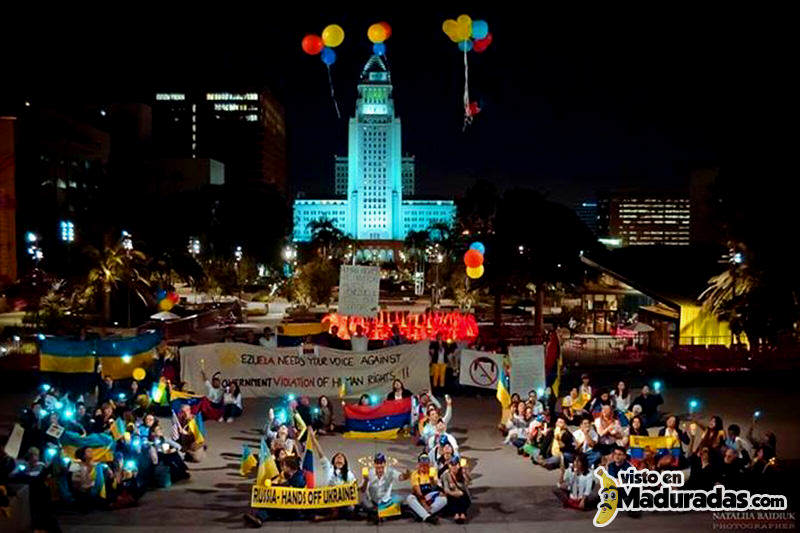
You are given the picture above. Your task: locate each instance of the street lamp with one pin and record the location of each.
(194, 246)
(126, 241)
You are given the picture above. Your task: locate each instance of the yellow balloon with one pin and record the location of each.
(464, 27)
(139, 374)
(333, 35)
(475, 273)
(165, 304)
(376, 33)
(450, 27)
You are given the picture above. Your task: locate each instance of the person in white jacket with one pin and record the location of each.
(434, 416)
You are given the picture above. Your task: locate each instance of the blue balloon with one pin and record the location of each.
(328, 56)
(160, 295)
(464, 46)
(480, 29)
(478, 246)
(379, 49)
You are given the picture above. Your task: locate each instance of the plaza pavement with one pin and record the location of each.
(510, 494)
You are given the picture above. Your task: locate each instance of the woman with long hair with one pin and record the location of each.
(322, 420)
(232, 402)
(621, 397)
(399, 391)
(455, 483)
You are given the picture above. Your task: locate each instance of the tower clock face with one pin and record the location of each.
(374, 109)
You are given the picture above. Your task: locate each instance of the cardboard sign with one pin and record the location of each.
(527, 369)
(55, 431)
(359, 290)
(14, 441)
(480, 369)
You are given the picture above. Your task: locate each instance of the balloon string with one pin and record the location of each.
(333, 96)
(467, 116)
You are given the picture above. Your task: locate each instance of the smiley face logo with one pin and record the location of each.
(609, 499)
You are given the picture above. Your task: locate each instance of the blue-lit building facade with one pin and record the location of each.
(371, 206)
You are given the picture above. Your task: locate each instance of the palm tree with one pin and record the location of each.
(116, 265)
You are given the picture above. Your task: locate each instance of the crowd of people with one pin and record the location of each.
(104, 446)
(439, 483)
(593, 426)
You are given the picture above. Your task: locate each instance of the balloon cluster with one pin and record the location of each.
(377, 34)
(332, 36)
(167, 300)
(470, 35)
(474, 260)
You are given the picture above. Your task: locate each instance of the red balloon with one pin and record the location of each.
(312, 44)
(479, 45)
(387, 28)
(473, 109)
(174, 297)
(473, 258)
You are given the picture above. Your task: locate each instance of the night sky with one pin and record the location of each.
(570, 104)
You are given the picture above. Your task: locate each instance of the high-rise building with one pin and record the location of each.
(407, 172)
(378, 175)
(245, 131)
(640, 218)
(8, 201)
(587, 213)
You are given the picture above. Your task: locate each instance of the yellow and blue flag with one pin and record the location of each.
(267, 468)
(248, 462)
(502, 389)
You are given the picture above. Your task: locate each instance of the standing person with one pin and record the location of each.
(378, 484)
(399, 391)
(426, 498)
(358, 341)
(232, 400)
(295, 478)
(323, 419)
(455, 483)
(436, 350)
(649, 403)
(621, 397)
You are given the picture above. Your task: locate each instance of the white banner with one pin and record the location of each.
(359, 290)
(265, 372)
(527, 369)
(480, 369)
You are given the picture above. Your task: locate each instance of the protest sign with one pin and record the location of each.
(55, 431)
(272, 372)
(291, 498)
(358, 290)
(527, 369)
(480, 369)
(14, 441)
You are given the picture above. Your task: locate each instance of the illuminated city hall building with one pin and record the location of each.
(374, 177)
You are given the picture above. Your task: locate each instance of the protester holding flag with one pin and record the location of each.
(214, 393)
(336, 472)
(377, 489)
(187, 430)
(279, 437)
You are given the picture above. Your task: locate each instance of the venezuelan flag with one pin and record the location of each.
(383, 421)
(248, 462)
(308, 465)
(553, 362)
(659, 445)
(100, 446)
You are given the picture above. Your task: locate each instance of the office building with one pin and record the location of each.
(243, 130)
(587, 213)
(641, 218)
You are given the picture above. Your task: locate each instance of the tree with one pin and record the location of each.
(115, 266)
(314, 282)
(326, 238)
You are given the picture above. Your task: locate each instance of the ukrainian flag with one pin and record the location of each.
(119, 355)
(383, 421)
(248, 462)
(66, 356)
(100, 446)
(267, 469)
(502, 389)
(388, 509)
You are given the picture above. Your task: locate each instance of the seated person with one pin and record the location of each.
(535, 403)
(279, 437)
(713, 437)
(557, 446)
(576, 485)
(672, 429)
(737, 443)
(442, 455)
(599, 401)
(702, 474)
(586, 440)
(186, 432)
(731, 470)
(322, 420)
(232, 402)
(295, 478)
(517, 424)
(426, 498)
(609, 430)
(378, 483)
(433, 415)
(455, 484)
(619, 462)
(399, 391)
(214, 391)
(441, 435)
(268, 339)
